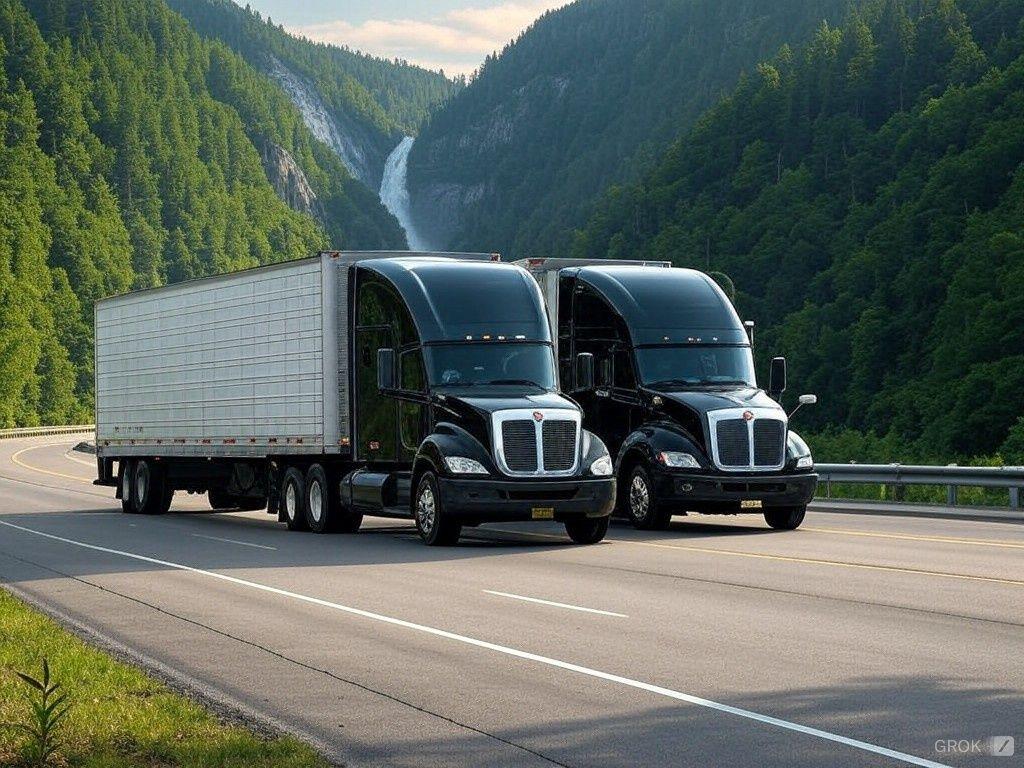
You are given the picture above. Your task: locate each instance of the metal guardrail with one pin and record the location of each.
(42, 431)
(952, 477)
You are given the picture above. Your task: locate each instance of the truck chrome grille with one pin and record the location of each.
(769, 442)
(751, 444)
(543, 442)
(559, 441)
(733, 443)
(519, 441)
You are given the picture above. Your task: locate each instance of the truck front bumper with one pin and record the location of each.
(488, 500)
(725, 494)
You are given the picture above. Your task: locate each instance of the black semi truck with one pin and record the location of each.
(344, 385)
(674, 395)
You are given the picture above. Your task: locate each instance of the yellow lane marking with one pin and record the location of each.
(16, 458)
(918, 537)
(788, 559)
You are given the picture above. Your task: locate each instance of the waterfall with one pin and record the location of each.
(395, 194)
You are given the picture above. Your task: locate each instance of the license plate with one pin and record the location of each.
(543, 513)
(750, 504)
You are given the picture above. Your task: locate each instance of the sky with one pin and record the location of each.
(453, 35)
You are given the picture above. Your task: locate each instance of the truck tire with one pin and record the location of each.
(127, 478)
(436, 527)
(587, 530)
(149, 489)
(324, 510)
(642, 502)
(293, 499)
(785, 518)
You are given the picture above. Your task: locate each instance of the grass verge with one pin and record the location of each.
(119, 716)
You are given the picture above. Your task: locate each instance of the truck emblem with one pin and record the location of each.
(747, 415)
(538, 416)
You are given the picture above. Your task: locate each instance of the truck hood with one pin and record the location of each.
(487, 404)
(689, 408)
(703, 401)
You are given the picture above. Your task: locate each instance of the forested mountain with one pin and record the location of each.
(586, 97)
(358, 104)
(865, 192)
(135, 153)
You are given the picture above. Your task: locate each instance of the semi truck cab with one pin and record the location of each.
(458, 417)
(675, 396)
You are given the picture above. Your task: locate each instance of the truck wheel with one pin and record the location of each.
(642, 502)
(436, 527)
(587, 530)
(148, 492)
(293, 498)
(166, 499)
(323, 507)
(785, 518)
(127, 476)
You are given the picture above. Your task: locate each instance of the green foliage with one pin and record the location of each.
(585, 98)
(47, 707)
(865, 192)
(388, 98)
(121, 717)
(133, 153)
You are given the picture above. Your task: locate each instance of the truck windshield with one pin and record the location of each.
(695, 366)
(461, 365)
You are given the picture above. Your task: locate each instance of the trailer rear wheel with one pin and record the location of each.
(127, 469)
(149, 493)
(785, 518)
(293, 499)
(436, 527)
(587, 530)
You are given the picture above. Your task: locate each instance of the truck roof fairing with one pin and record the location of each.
(667, 306)
(457, 300)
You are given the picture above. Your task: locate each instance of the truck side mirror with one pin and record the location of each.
(385, 370)
(748, 326)
(584, 371)
(802, 401)
(777, 378)
(604, 372)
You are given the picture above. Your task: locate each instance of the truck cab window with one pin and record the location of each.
(490, 363)
(622, 369)
(412, 377)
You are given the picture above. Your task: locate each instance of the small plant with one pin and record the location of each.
(47, 709)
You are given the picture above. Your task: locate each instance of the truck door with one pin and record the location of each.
(376, 414)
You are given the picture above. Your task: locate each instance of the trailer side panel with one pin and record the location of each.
(231, 365)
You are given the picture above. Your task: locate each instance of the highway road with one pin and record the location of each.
(856, 640)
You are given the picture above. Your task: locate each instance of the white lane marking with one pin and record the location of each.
(506, 650)
(556, 605)
(233, 541)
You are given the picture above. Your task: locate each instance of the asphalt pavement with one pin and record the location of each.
(855, 640)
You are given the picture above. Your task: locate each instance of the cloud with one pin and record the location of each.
(456, 41)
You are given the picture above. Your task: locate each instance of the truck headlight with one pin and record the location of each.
(678, 459)
(602, 467)
(805, 462)
(460, 465)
